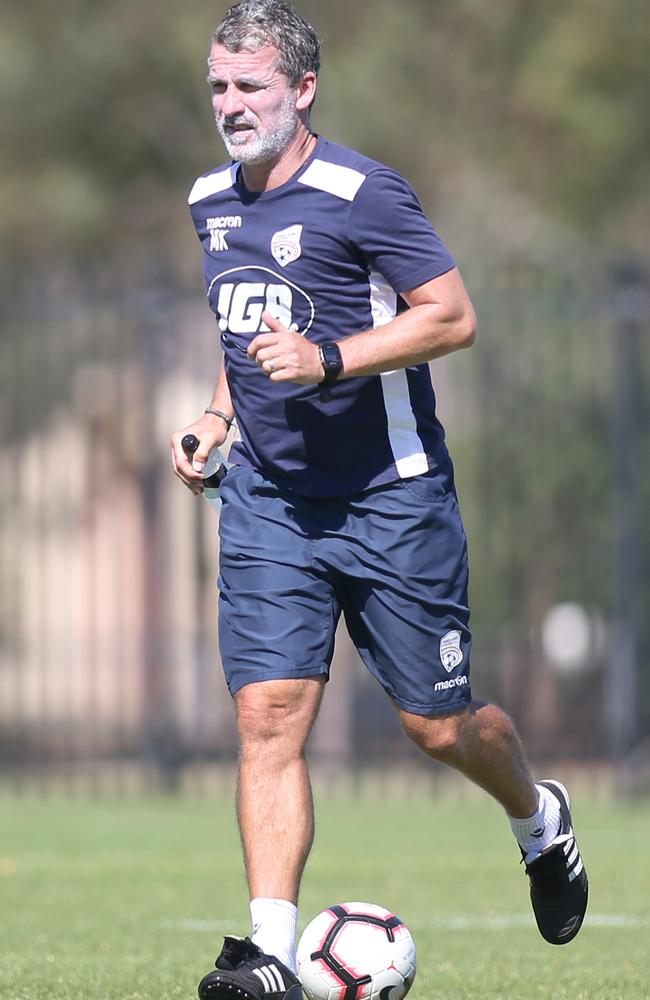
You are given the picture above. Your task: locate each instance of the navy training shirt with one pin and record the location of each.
(328, 254)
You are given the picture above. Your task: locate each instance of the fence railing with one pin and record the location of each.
(107, 565)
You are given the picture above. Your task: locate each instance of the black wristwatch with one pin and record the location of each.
(331, 361)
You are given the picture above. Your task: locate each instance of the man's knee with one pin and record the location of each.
(277, 711)
(438, 736)
(480, 727)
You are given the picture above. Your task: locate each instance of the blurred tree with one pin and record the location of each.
(107, 122)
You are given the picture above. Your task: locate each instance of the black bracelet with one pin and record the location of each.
(220, 413)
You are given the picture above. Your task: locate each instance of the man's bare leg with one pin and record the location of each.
(481, 743)
(274, 800)
(274, 803)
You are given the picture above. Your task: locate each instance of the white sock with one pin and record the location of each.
(274, 928)
(540, 830)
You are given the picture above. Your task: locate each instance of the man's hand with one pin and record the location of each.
(285, 356)
(211, 430)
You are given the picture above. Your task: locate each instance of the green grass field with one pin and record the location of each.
(129, 898)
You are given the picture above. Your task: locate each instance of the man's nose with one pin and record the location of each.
(231, 102)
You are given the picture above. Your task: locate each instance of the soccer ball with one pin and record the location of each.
(356, 951)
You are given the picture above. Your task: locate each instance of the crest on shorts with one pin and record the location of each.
(451, 655)
(285, 245)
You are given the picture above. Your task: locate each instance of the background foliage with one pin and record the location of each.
(107, 120)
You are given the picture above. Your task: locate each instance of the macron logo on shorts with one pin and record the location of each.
(453, 682)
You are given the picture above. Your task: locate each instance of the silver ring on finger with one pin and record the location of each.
(270, 366)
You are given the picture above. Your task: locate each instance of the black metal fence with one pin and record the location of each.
(107, 630)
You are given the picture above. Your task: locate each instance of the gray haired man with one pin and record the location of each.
(332, 293)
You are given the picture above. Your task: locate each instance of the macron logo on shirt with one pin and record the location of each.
(219, 227)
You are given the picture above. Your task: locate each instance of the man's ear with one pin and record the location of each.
(306, 92)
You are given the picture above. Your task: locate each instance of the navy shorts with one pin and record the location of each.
(392, 559)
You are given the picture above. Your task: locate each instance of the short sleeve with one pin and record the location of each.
(390, 230)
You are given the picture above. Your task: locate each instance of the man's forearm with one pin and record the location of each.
(420, 334)
(440, 319)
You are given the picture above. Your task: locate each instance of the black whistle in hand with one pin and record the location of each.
(189, 444)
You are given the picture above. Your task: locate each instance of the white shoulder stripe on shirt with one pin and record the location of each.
(343, 182)
(212, 184)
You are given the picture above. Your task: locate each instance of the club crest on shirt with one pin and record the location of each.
(285, 245)
(451, 655)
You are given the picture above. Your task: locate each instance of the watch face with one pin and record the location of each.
(332, 362)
